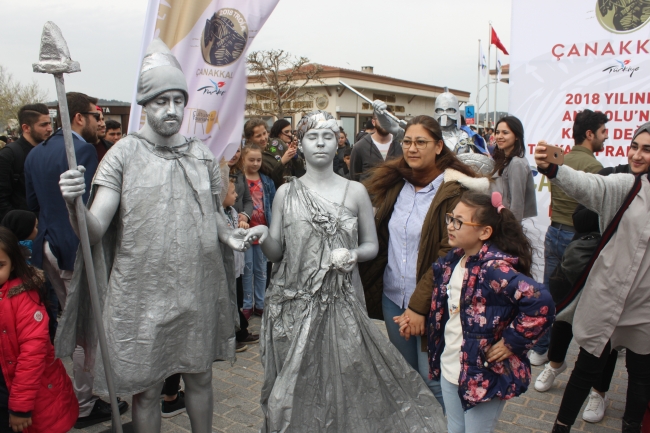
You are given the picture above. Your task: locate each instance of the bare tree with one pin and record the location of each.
(14, 94)
(285, 83)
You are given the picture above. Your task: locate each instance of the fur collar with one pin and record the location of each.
(479, 184)
(19, 288)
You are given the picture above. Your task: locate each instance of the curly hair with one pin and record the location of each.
(507, 233)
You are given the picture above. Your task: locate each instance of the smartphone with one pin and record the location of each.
(554, 154)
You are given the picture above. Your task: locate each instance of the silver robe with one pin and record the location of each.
(168, 305)
(327, 367)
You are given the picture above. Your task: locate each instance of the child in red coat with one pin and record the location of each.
(35, 392)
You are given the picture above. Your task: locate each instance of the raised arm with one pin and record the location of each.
(603, 195)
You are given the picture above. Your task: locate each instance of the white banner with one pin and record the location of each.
(210, 39)
(571, 55)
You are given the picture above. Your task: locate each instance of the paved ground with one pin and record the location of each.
(237, 391)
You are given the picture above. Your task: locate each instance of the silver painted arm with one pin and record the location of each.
(103, 208)
(272, 246)
(387, 122)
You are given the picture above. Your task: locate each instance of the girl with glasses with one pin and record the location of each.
(486, 313)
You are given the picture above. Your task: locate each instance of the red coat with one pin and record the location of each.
(37, 382)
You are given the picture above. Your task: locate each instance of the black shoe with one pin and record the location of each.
(558, 428)
(173, 408)
(250, 339)
(631, 427)
(240, 347)
(101, 412)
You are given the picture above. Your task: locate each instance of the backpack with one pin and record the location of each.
(17, 176)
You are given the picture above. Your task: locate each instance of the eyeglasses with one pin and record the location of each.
(95, 114)
(449, 218)
(419, 144)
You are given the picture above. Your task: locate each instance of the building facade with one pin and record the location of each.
(406, 98)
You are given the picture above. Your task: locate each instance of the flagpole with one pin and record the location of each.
(487, 101)
(478, 79)
(496, 83)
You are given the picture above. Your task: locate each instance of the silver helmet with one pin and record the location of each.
(447, 110)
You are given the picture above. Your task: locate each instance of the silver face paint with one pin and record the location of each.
(165, 112)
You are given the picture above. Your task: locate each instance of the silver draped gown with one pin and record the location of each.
(327, 367)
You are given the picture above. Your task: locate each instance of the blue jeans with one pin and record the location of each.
(254, 277)
(555, 243)
(410, 349)
(482, 418)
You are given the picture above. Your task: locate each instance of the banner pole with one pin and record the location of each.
(478, 79)
(487, 102)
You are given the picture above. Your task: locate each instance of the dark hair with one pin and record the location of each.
(507, 233)
(79, 103)
(386, 175)
(249, 127)
(369, 125)
(113, 124)
(587, 120)
(30, 113)
(277, 128)
(31, 277)
(347, 152)
(501, 161)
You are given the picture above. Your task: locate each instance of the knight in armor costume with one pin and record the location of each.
(162, 253)
(465, 143)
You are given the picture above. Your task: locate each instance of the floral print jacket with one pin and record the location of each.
(497, 302)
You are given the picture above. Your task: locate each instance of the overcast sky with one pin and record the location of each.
(427, 41)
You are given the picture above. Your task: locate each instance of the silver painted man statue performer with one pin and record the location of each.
(466, 144)
(327, 367)
(156, 222)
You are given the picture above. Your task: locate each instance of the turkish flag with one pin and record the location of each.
(496, 41)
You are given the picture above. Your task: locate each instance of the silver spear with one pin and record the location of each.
(54, 59)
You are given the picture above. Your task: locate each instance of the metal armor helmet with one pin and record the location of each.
(447, 111)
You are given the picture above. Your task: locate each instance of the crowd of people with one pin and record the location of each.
(429, 245)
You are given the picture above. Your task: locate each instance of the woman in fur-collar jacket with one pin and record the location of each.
(411, 195)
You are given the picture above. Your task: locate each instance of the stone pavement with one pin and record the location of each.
(237, 391)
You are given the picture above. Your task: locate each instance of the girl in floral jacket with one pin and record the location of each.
(486, 313)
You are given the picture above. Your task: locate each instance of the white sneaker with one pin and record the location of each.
(595, 410)
(537, 359)
(545, 379)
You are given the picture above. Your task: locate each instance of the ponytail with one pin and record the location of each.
(507, 232)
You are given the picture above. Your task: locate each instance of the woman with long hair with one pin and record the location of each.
(412, 194)
(512, 173)
(281, 139)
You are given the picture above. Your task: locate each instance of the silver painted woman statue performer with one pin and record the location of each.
(327, 367)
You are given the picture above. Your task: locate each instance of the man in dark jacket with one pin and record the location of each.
(372, 150)
(55, 246)
(35, 126)
(101, 145)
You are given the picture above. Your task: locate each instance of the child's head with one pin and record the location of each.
(22, 223)
(251, 156)
(346, 156)
(13, 264)
(482, 220)
(231, 195)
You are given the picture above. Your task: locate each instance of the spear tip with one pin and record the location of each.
(54, 57)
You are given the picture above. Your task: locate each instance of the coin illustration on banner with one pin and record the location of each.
(622, 16)
(224, 37)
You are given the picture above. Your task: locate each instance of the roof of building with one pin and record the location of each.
(336, 72)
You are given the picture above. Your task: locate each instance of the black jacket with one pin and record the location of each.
(365, 156)
(244, 203)
(12, 177)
